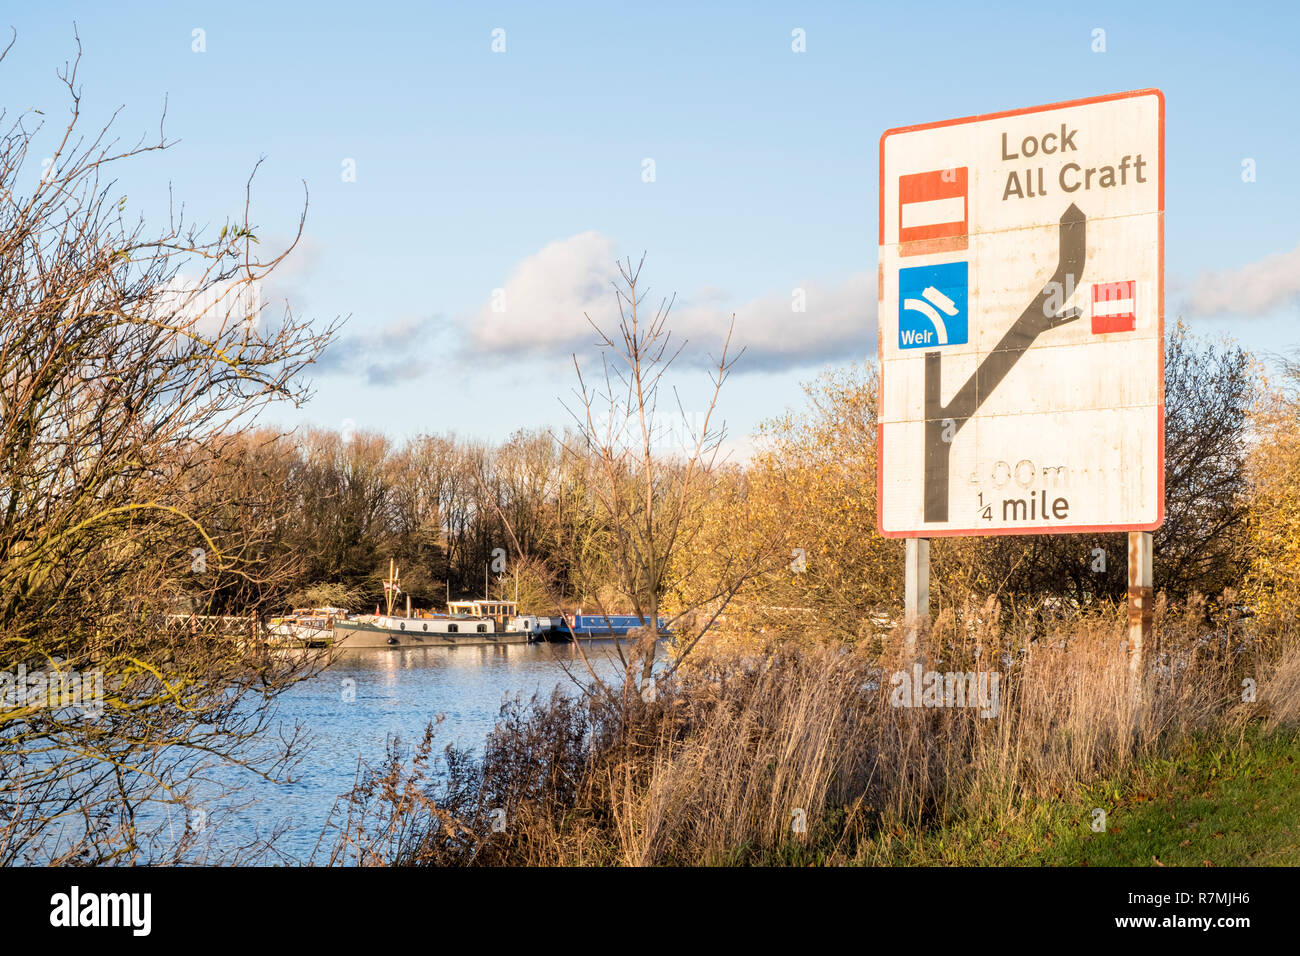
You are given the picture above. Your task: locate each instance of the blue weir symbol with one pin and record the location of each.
(932, 305)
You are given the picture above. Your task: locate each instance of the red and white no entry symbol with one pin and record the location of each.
(1114, 307)
(932, 211)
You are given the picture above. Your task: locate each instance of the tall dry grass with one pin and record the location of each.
(738, 751)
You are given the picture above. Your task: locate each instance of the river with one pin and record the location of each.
(364, 697)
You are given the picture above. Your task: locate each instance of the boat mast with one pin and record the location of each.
(391, 586)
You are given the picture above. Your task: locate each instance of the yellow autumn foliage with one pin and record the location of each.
(808, 499)
(1273, 583)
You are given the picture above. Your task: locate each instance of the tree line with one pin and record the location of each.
(332, 509)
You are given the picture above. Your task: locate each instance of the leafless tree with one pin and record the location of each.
(130, 359)
(649, 493)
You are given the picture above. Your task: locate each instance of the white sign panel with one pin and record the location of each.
(1022, 321)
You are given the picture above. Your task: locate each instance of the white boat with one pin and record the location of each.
(467, 622)
(483, 621)
(305, 627)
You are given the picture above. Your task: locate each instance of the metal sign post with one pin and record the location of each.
(916, 594)
(1140, 600)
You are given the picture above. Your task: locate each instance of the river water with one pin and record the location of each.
(364, 697)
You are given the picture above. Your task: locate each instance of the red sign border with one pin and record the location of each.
(1160, 299)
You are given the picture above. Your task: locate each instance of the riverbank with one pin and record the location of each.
(1231, 801)
(807, 756)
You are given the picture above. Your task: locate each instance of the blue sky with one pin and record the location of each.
(523, 170)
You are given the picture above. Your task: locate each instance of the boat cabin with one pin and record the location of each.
(432, 625)
(499, 611)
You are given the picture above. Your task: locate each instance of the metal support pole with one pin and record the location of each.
(1141, 601)
(916, 593)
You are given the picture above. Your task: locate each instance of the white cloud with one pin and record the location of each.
(545, 298)
(1249, 291)
(837, 324)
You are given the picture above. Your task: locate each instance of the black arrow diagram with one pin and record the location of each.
(942, 422)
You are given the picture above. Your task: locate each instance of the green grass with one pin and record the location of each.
(1215, 803)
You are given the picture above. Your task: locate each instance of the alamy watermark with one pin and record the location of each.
(918, 688)
(53, 689)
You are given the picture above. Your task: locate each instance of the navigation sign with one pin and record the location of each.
(1022, 321)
